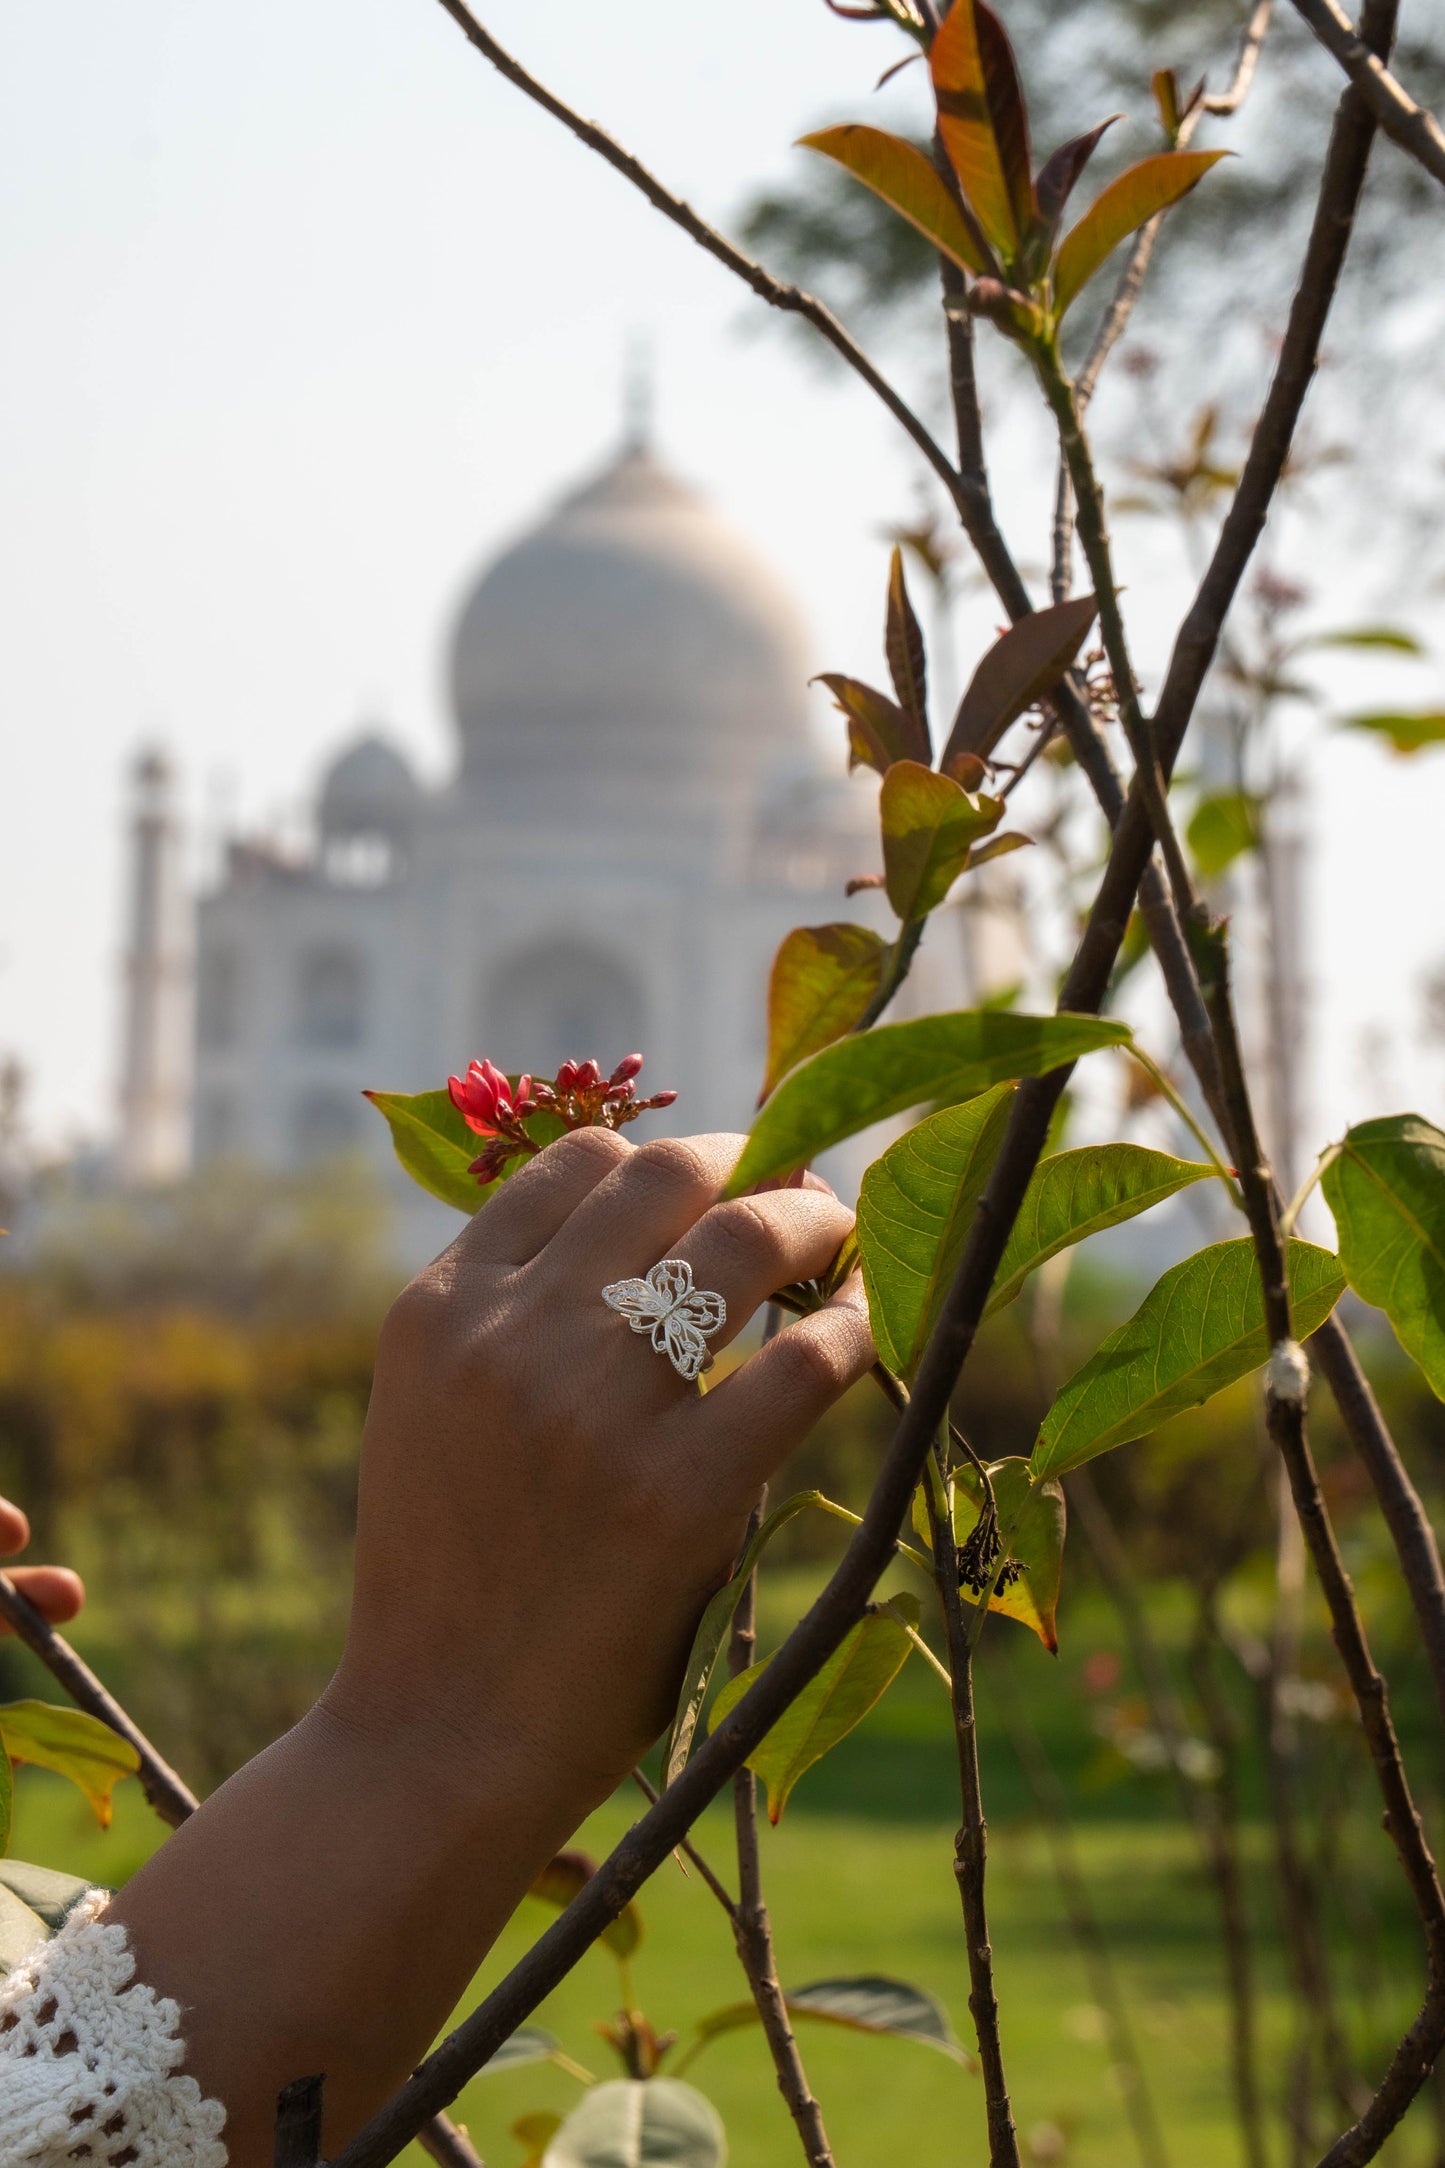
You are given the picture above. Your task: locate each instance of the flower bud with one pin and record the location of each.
(626, 1068)
(589, 1076)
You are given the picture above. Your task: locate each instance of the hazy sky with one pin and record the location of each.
(307, 310)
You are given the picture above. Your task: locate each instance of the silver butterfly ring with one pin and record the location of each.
(679, 1317)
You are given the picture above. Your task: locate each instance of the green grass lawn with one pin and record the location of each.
(859, 1877)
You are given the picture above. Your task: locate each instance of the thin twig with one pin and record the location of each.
(1403, 121)
(688, 1849)
(298, 2124)
(448, 2144)
(1285, 1416)
(970, 1850)
(752, 1928)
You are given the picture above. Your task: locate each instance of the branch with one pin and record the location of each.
(791, 299)
(1416, 131)
(752, 1929)
(1286, 1399)
(970, 1851)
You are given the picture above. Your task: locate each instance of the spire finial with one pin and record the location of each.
(638, 395)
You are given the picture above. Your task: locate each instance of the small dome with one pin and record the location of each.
(368, 790)
(631, 633)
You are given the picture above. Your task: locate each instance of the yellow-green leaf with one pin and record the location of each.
(73, 1744)
(1031, 1522)
(967, 125)
(1198, 1329)
(929, 824)
(875, 1074)
(915, 1208)
(1222, 828)
(870, 2003)
(1385, 1185)
(1407, 731)
(436, 1147)
(565, 1875)
(907, 181)
(1077, 1194)
(1129, 201)
(836, 1700)
(822, 981)
(535, 2132)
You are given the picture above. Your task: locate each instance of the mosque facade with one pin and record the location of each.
(640, 810)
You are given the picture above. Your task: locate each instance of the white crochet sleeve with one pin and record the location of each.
(90, 2062)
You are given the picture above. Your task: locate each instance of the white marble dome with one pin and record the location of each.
(369, 788)
(632, 631)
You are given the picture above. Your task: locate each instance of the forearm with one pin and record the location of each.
(327, 1907)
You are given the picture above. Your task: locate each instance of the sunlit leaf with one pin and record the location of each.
(1165, 85)
(1031, 1522)
(879, 731)
(1369, 636)
(1008, 115)
(915, 1208)
(930, 1059)
(565, 1875)
(712, 1631)
(1024, 664)
(534, 2132)
(929, 825)
(436, 1147)
(639, 2123)
(75, 1745)
(20, 1929)
(1198, 1329)
(833, 1703)
(822, 981)
(906, 179)
(52, 1896)
(1407, 732)
(966, 87)
(1077, 1194)
(1222, 828)
(903, 645)
(998, 847)
(1128, 202)
(528, 2044)
(1385, 1185)
(870, 2003)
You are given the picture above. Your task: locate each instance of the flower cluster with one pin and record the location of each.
(579, 1097)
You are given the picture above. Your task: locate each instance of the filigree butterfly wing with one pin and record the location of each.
(687, 1328)
(636, 1300)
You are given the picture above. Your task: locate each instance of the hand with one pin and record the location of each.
(545, 1505)
(545, 1508)
(55, 1591)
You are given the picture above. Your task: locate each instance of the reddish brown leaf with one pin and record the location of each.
(903, 645)
(966, 125)
(879, 731)
(560, 1881)
(1059, 175)
(1018, 669)
(1128, 202)
(907, 181)
(1008, 114)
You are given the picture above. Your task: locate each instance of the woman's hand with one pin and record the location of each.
(545, 1508)
(55, 1591)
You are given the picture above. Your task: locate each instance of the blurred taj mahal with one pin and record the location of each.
(640, 809)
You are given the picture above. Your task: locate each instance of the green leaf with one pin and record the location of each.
(639, 2123)
(20, 1930)
(1386, 1187)
(903, 645)
(1078, 1194)
(929, 824)
(436, 1147)
(534, 2132)
(999, 847)
(972, 99)
(1031, 1522)
(870, 2003)
(1407, 733)
(1129, 201)
(836, 1700)
(528, 2044)
(1221, 828)
(886, 1071)
(1197, 1330)
(915, 1208)
(712, 1631)
(879, 731)
(1386, 636)
(568, 1873)
(73, 1744)
(1023, 664)
(907, 181)
(52, 1896)
(822, 981)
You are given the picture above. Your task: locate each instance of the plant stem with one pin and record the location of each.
(970, 1851)
(1181, 1107)
(1285, 1417)
(752, 1928)
(1417, 132)
(448, 2144)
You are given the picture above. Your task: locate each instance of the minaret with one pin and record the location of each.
(155, 1032)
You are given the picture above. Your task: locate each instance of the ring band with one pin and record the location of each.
(679, 1318)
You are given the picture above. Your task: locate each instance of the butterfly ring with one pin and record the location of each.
(679, 1317)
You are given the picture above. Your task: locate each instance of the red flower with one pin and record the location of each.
(485, 1100)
